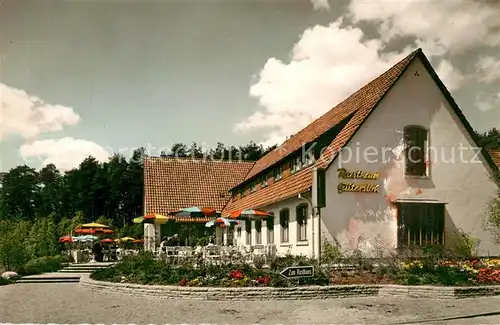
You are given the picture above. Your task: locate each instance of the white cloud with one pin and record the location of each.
(451, 77)
(65, 153)
(439, 26)
(486, 102)
(28, 116)
(320, 4)
(488, 69)
(328, 64)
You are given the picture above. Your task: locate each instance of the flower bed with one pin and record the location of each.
(144, 269)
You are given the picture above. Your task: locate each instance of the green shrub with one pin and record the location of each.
(44, 265)
(4, 281)
(145, 269)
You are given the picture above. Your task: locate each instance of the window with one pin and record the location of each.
(241, 192)
(278, 173)
(416, 140)
(270, 229)
(258, 232)
(230, 237)
(301, 215)
(309, 158)
(253, 186)
(420, 224)
(296, 164)
(238, 232)
(248, 230)
(284, 223)
(263, 182)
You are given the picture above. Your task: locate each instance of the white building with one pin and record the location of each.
(391, 193)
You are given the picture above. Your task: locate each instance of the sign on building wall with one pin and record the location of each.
(351, 186)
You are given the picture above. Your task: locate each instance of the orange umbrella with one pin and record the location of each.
(138, 241)
(248, 213)
(66, 239)
(107, 241)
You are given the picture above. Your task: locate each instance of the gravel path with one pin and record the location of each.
(70, 303)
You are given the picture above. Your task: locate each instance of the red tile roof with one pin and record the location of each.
(283, 189)
(361, 103)
(363, 100)
(171, 184)
(495, 155)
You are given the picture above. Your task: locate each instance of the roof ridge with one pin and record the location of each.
(326, 121)
(198, 160)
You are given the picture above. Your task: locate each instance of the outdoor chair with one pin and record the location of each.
(172, 253)
(259, 251)
(213, 254)
(185, 252)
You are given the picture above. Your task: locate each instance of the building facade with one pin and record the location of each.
(402, 169)
(400, 165)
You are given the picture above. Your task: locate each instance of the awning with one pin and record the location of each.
(420, 201)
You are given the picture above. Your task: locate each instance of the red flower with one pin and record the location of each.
(265, 280)
(236, 274)
(183, 282)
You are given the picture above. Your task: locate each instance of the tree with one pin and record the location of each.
(489, 139)
(49, 179)
(20, 193)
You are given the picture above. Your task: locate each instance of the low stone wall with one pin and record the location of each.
(294, 293)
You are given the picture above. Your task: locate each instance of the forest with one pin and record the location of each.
(113, 189)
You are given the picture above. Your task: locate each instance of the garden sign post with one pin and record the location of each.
(296, 272)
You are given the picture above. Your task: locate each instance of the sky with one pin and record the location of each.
(86, 77)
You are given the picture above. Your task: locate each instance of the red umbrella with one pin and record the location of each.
(66, 239)
(195, 212)
(138, 241)
(107, 241)
(248, 213)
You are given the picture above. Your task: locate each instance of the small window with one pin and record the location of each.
(253, 186)
(309, 158)
(270, 229)
(278, 173)
(301, 215)
(296, 164)
(416, 141)
(284, 225)
(258, 232)
(263, 182)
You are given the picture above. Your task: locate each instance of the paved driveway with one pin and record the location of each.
(72, 304)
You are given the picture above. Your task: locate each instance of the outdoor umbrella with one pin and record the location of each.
(93, 231)
(66, 239)
(152, 218)
(93, 228)
(196, 212)
(124, 239)
(249, 213)
(84, 238)
(223, 222)
(107, 241)
(138, 241)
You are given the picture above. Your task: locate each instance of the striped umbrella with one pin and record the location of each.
(153, 218)
(222, 222)
(249, 213)
(196, 212)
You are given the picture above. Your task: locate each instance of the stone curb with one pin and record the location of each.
(294, 293)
